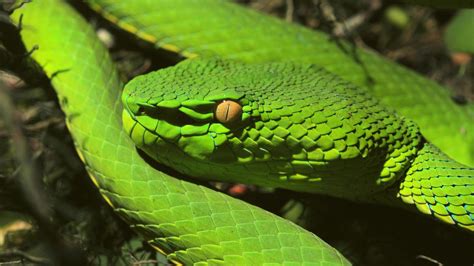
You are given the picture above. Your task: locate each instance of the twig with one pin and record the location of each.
(290, 9)
(154, 262)
(429, 259)
(24, 256)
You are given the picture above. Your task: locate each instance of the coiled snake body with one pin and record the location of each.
(310, 121)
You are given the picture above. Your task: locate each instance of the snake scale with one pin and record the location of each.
(314, 106)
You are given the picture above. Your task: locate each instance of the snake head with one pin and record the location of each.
(184, 111)
(223, 120)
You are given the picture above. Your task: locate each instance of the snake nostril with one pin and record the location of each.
(150, 111)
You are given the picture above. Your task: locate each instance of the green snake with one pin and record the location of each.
(307, 114)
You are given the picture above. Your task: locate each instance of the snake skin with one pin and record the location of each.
(302, 128)
(229, 31)
(191, 224)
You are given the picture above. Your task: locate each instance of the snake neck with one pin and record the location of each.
(438, 186)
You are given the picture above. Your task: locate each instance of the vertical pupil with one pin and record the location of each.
(228, 111)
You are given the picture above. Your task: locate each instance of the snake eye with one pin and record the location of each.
(228, 111)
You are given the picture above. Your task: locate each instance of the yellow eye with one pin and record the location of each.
(228, 111)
